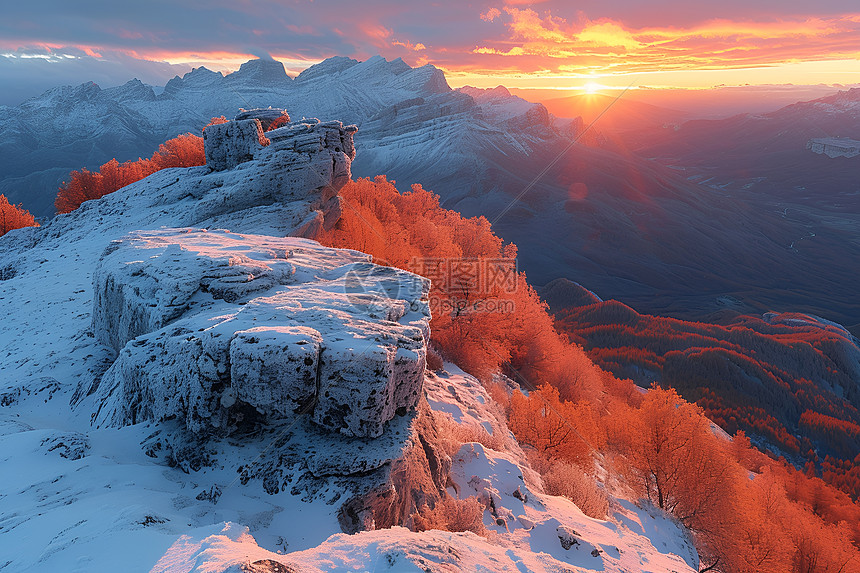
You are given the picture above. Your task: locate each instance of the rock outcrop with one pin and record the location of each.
(229, 144)
(224, 331)
(300, 166)
(267, 116)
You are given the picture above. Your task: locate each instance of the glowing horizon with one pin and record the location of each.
(543, 44)
(838, 73)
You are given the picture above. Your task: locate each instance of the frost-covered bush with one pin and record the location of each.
(454, 435)
(451, 514)
(572, 482)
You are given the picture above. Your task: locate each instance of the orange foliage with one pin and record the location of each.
(773, 380)
(558, 429)
(673, 454)
(842, 436)
(216, 121)
(748, 513)
(482, 327)
(182, 151)
(279, 122)
(451, 514)
(14, 217)
(582, 489)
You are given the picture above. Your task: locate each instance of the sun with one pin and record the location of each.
(592, 88)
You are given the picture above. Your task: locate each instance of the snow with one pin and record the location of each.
(541, 534)
(90, 513)
(498, 105)
(147, 492)
(206, 322)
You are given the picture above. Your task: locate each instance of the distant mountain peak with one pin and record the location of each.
(201, 72)
(332, 65)
(262, 71)
(132, 89)
(498, 91)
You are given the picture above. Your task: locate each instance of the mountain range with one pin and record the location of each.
(647, 226)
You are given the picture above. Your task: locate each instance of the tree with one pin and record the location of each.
(83, 185)
(557, 429)
(182, 151)
(14, 216)
(680, 465)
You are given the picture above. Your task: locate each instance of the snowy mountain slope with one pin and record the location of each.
(77, 486)
(541, 534)
(81, 488)
(137, 495)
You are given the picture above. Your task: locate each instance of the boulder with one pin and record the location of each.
(225, 331)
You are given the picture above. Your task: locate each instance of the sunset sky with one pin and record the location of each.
(545, 44)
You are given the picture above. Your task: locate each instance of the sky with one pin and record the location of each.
(550, 44)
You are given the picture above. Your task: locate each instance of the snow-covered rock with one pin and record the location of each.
(834, 146)
(309, 155)
(229, 144)
(216, 328)
(502, 108)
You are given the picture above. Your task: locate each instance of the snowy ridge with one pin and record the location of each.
(186, 398)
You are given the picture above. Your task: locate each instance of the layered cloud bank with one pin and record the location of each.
(538, 44)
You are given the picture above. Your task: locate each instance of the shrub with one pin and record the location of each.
(454, 435)
(452, 514)
(568, 480)
(84, 185)
(434, 360)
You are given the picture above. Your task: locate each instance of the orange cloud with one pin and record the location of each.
(540, 41)
(375, 31)
(409, 45)
(491, 14)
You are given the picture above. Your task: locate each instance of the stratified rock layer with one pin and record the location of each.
(307, 160)
(221, 330)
